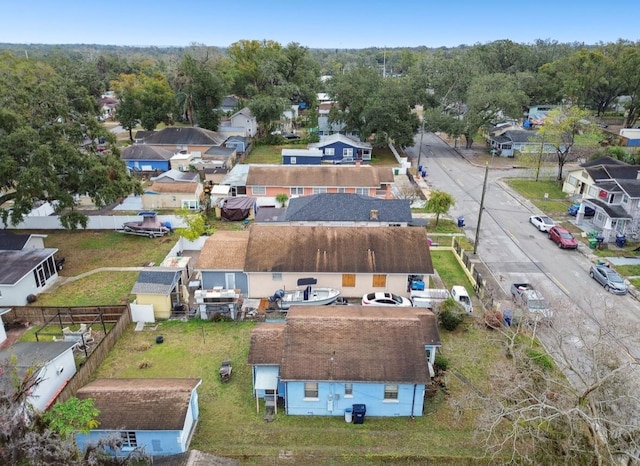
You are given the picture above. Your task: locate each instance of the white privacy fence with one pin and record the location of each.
(96, 222)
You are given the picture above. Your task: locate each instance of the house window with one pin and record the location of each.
(44, 271)
(259, 190)
(391, 392)
(593, 191)
(348, 390)
(191, 205)
(329, 151)
(292, 160)
(319, 190)
(362, 191)
(379, 281)
(296, 191)
(625, 199)
(341, 190)
(347, 152)
(311, 390)
(276, 276)
(348, 280)
(156, 445)
(129, 441)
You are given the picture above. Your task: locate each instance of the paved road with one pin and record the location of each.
(514, 251)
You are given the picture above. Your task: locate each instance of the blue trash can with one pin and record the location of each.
(461, 221)
(621, 240)
(359, 411)
(507, 316)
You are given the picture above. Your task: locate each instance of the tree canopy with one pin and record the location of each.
(48, 149)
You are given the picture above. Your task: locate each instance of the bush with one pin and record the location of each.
(451, 314)
(441, 364)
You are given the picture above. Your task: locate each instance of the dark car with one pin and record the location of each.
(291, 136)
(588, 211)
(609, 278)
(562, 237)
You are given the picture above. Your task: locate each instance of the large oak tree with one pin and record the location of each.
(48, 148)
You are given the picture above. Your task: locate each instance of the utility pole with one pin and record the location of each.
(420, 146)
(540, 158)
(484, 189)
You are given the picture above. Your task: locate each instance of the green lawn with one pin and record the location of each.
(273, 154)
(230, 426)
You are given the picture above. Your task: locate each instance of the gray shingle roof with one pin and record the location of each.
(347, 207)
(144, 152)
(154, 281)
(16, 264)
(179, 135)
(12, 241)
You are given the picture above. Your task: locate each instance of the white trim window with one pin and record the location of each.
(311, 390)
(319, 190)
(276, 276)
(292, 160)
(329, 151)
(341, 190)
(362, 191)
(391, 392)
(348, 390)
(347, 152)
(191, 205)
(258, 190)
(296, 191)
(129, 441)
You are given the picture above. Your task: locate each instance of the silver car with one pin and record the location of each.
(541, 222)
(609, 278)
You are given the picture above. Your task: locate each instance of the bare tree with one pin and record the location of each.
(577, 404)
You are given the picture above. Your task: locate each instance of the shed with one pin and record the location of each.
(237, 208)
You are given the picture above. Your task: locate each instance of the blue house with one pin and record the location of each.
(338, 148)
(324, 359)
(221, 261)
(302, 156)
(141, 157)
(159, 415)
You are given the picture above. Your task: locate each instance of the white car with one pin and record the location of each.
(541, 222)
(382, 298)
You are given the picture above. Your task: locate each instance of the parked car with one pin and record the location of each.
(609, 278)
(588, 211)
(381, 298)
(562, 237)
(291, 136)
(541, 222)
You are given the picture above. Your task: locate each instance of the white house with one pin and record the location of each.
(54, 361)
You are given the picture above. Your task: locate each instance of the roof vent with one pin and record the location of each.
(373, 214)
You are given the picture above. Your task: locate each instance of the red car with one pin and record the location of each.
(562, 238)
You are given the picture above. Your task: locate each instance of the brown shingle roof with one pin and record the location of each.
(140, 404)
(225, 250)
(310, 249)
(266, 343)
(355, 343)
(324, 176)
(174, 187)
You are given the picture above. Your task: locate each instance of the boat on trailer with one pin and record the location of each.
(149, 226)
(307, 294)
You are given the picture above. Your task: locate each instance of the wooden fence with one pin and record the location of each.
(67, 316)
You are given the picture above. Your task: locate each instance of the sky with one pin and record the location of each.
(346, 24)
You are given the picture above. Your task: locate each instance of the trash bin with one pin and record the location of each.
(461, 221)
(423, 173)
(507, 316)
(593, 243)
(599, 241)
(358, 413)
(348, 415)
(621, 240)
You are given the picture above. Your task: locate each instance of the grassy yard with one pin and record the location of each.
(547, 195)
(272, 154)
(229, 424)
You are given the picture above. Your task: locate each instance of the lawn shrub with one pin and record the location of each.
(540, 358)
(450, 315)
(441, 363)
